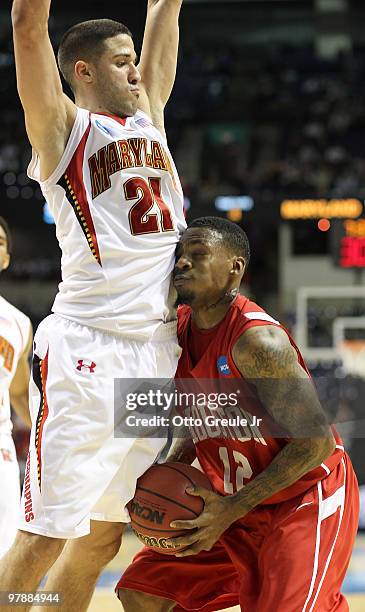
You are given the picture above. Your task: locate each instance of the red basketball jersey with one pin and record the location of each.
(232, 462)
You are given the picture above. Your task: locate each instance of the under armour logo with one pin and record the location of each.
(90, 365)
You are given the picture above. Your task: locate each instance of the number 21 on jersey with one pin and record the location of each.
(148, 192)
(233, 478)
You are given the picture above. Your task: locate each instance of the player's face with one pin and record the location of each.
(117, 77)
(4, 255)
(202, 269)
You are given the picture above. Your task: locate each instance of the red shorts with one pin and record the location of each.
(290, 557)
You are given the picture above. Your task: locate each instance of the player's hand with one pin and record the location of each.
(208, 527)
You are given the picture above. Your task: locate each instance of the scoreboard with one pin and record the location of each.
(343, 217)
(348, 243)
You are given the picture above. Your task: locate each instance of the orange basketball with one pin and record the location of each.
(161, 498)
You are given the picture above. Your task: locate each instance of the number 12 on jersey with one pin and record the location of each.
(233, 478)
(141, 220)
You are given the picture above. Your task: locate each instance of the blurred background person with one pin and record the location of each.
(15, 346)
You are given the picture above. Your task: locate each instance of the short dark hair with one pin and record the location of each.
(232, 234)
(6, 229)
(85, 41)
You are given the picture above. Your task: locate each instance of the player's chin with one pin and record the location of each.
(133, 105)
(130, 108)
(184, 297)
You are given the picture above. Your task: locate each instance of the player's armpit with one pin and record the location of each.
(159, 56)
(49, 113)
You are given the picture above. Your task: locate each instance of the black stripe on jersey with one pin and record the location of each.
(37, 378)
(37, 373)
(71, 197)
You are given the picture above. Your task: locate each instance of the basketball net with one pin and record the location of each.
(353, 357)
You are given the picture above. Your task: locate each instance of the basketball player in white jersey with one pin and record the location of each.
(15, 344)
(108, 177)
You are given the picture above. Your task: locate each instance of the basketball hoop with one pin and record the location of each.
(353, 357)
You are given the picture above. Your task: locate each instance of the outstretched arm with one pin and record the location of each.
(159, 57)
(49, 113)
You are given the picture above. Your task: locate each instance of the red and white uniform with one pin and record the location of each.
(118, 207)
(15, 328)
(258, 451)
(291, 552)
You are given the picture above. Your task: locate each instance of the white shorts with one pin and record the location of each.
(10, 493)
(76, 469)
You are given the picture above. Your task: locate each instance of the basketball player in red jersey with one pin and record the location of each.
(277, 533)
(103, 164)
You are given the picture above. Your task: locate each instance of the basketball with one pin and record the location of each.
(161, 498)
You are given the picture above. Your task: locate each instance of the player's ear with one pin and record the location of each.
(238, 266)
(83, 71)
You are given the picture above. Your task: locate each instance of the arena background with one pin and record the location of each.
(267, 127)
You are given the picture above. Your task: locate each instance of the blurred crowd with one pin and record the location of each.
(288, 122)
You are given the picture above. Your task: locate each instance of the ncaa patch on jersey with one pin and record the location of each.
(222, 366)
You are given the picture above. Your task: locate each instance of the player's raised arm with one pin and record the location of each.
(159, 56)
(49, 113)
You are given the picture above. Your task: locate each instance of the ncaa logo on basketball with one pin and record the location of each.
(222, 366)
(153, 516)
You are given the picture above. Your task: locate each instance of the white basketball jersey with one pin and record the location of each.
(118, 207)
(14, 334)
